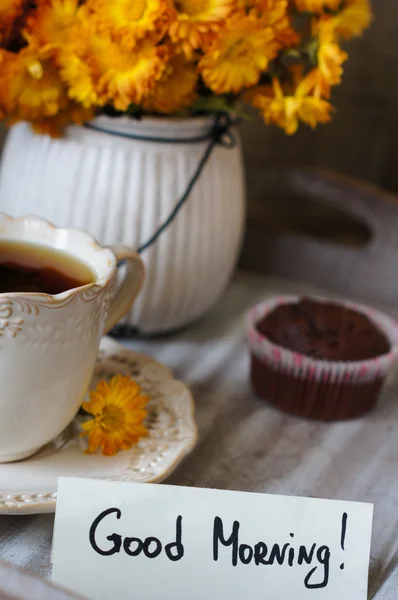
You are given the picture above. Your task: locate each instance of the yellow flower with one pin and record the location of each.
(195, 20)
(95, 68)
(57, 26)
(275, 14)
(10, 11)
(64, 60)
(119, 412)
(271, 10)
(238, 54)
(176, 89)
(101, 71)
(317, 6)
(55, 23)
(352, 21)
(287, 111)
(80, 78)
(330, 57)
(29, 85)
(127, 77)
(54, 126)
(130, 20)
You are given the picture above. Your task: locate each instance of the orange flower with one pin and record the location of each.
(10, 11)
(96, 68)
(238, 54)
(119, 413)
(275, 14)
(64, 60)
(330, 57)
(195, 20)
(317, 6)
(176, 89)
(54, 126)
(330, 60)
(127, 77)
(287, 110)
(129, 21)
(100, 71)
(29, 85)
(78, 74)
(352, 21)
(55, 23)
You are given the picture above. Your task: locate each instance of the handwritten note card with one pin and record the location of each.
(158, 542)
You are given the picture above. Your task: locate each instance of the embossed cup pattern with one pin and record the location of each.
(49, 344)
(47, 356)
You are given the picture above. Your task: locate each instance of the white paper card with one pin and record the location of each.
(158, 542)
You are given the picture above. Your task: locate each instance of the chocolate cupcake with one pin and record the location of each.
(320, 359)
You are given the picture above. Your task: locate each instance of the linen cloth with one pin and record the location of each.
(247, 445)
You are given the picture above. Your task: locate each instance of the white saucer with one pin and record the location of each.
(29, 486)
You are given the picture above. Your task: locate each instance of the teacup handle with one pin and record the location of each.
(130, 287)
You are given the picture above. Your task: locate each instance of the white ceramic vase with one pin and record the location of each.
(121, 190)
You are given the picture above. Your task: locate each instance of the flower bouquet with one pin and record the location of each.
(64, 61)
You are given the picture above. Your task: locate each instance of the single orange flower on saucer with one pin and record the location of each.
(119, 413)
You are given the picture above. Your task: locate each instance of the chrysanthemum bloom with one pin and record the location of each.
(126, 77)
(176, 89)
(238, 54)
(78, 75)
(29, 85)
(271, 10)
(287, 111)
(119, 413)
(10, 10)
(317, 6)
(128, 21)
(81, 55)
(98, 71)
(55, 23)
(194, 20)
(54, 126)
(275, 14)
(353, 19)
(330, 56)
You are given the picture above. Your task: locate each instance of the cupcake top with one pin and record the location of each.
(324, 330)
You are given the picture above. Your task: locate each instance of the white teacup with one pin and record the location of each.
(49, 344)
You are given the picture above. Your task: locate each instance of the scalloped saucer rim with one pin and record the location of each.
(29, 486)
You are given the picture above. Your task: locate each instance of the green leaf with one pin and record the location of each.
(311, 50)
(216, 104)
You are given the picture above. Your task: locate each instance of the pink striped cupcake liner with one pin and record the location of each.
(313, 388)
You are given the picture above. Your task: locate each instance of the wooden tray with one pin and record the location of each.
(328, 230)
(16, 584)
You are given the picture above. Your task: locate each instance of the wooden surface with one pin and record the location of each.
(247, 445)
(18, 584)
